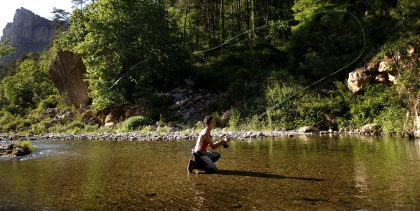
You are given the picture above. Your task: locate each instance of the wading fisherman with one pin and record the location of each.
(203, 159)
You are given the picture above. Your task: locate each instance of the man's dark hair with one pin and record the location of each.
(208, 119)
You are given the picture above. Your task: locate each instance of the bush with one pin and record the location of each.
(290, 106)
(135, 122)
(392, 120)
(376, 99)
(234, 119)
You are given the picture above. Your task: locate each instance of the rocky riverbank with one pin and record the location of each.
(188, 135)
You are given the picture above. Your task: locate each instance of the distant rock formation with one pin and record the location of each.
(67, 73)
(28, 33)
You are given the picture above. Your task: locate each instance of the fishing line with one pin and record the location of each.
(315, 82)
(126, 73)
(331, 74)
(265, 26)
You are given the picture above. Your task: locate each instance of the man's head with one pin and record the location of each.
(209, 122)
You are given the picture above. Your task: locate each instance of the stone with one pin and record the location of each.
(357, 80)
(178, 96)
(384, 66)
(111, 118)
(373, 129)
(67, 116)
(189, 82)
(109, 124)
(307, 129)
(177, 105)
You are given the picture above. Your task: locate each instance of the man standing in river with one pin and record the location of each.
(204, 159)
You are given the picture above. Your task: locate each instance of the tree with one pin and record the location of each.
(6, 48)
(135, 40)
(29, 85)
(60, 14)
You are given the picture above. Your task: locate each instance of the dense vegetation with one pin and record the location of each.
(134, 50)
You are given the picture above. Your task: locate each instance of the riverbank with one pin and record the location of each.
(183, 135)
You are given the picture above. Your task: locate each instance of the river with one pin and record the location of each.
(315, 172)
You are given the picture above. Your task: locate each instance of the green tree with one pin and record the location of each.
(28, 86)
(6, 48)
(136, 40)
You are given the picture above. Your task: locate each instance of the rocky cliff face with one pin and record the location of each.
(28, 32)
(67, 73)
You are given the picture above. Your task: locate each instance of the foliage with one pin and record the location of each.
(234, 120)
(134, 122)
(28, 86)
(6, 48)
(290, 106)
(137, 40)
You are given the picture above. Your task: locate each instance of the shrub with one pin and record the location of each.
(135, 122)
(234, 119)
(392, 120)
(290, 106)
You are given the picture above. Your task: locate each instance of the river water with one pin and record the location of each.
(319, 172)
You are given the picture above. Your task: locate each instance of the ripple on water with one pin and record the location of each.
(42, 149)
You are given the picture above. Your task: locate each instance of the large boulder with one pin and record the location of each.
(67, 73)
(377, 71)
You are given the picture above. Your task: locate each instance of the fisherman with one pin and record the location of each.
(203, 159)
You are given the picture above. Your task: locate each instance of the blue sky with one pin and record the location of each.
(40, 7)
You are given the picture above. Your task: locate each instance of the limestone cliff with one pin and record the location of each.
(28, 33)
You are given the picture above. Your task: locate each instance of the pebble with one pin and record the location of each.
(170, 136)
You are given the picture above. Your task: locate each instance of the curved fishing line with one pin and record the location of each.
(331, 74)
(126, 73)
(261, 27)
(315, 82)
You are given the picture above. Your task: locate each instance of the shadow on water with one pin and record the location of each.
(263, 175)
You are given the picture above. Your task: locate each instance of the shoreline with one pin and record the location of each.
(180, 135)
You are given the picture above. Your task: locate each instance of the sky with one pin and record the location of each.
(41, 7)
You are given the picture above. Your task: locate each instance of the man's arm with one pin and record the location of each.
(216, 144)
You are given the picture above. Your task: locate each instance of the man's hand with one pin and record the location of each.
(226, 139)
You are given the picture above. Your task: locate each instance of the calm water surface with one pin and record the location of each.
(270, 174)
